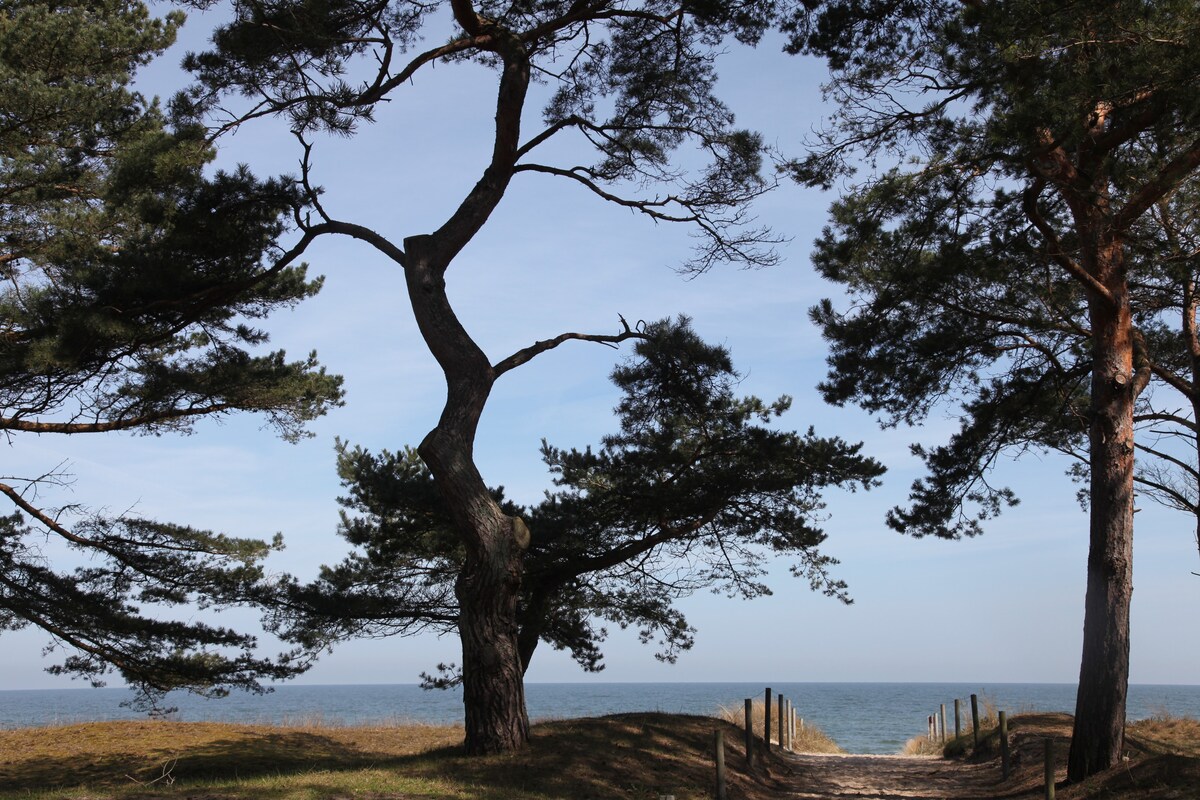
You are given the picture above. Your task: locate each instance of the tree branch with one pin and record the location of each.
(1174, 381)
(35, 512)
(650, 208)
(123, 424)
(363, 234)
(1170, 459)
(1174, 419)
(1056, 251)
(1153, 190)
(537, 348)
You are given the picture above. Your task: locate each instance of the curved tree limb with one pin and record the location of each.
(527, 354)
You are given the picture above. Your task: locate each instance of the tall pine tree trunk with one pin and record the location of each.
(1191, 305)
(1099, 734)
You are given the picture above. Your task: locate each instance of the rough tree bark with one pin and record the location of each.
(1099, 733)
(1191, 305)
(487, 588)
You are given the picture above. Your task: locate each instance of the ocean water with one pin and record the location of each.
(861, 717)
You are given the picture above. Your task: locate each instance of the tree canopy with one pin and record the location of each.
(132, 275)
(630, 116)
(1017, 247)
(696, 491)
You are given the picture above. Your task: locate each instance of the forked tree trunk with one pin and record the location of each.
(490, 580)
(1099, 733)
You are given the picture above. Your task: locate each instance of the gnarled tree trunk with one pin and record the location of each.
(493, 673)
(487, 587)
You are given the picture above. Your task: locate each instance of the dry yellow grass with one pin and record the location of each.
(1166, 733)
(923, 746)
(119, 753)
(1163, 759)
(624, 757)
(808, 739)
(989, 723)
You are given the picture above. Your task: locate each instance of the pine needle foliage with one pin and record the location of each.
(1021, 247)
(132, 276)
(697, 490)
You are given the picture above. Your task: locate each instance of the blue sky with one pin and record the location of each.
(1005, 607)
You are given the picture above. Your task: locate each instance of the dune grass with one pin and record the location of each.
(1162, 757)
(622, 757)
(1166, 733)
(116, 755)
(808, 739)
(989, 723)
(625, 757)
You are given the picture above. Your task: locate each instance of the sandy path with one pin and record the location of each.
(866, 777)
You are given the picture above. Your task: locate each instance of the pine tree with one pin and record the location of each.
(631, 83)
(130, 282)
(1014, 246)
(696, 491)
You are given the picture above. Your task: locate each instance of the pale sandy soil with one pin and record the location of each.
(865, 777)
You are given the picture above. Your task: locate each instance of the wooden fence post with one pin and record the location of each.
(719, 754)
(749, 732)
(975, 720)
(1049, 756)
(786, 725)
(767, 724)
(1003, 746)
(942, 708)
(789, 725)
(781, 725)
(957, 720)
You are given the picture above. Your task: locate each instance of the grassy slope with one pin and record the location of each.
(629, 756)
(1163, 759)
(624, 757)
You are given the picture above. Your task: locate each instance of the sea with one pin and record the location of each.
(860, 717)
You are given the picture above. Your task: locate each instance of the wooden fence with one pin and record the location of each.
(937, 733)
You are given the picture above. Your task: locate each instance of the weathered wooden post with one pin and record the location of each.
(957, 719)
(719, 754)
(767, 724)
(1003, 746)
(785, 725)
(790, 738)
(782, 722)
(929, 724)
(792, 725)
(749, 732)
(942, 708)
(975, 720)
(1049, 757)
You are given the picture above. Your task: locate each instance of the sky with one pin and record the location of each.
(1004, 607)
